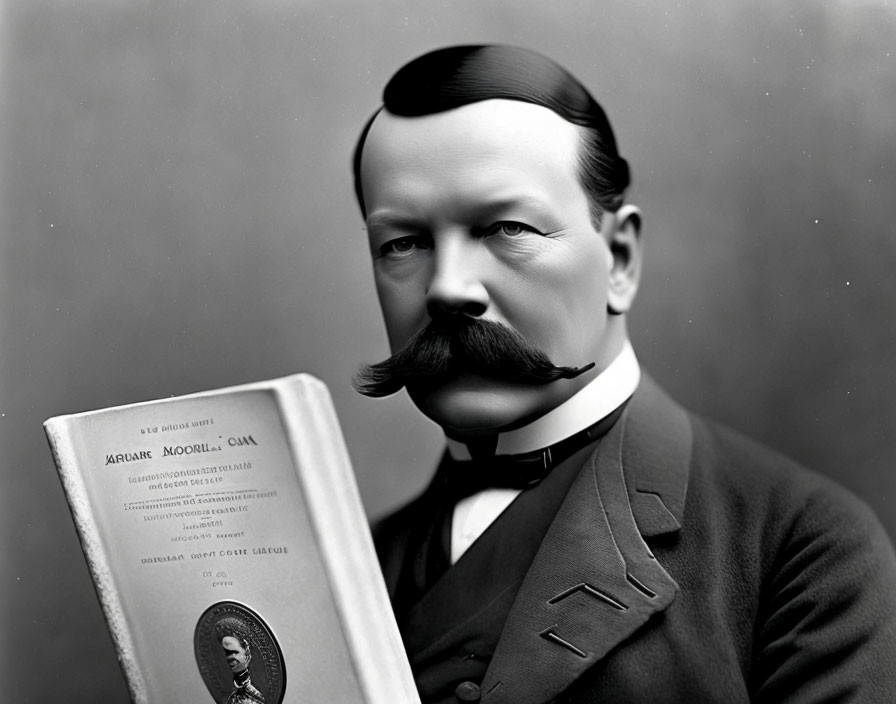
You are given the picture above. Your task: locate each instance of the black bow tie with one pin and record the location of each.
(462, 478)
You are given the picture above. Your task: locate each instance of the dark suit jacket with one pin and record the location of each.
(688, 564)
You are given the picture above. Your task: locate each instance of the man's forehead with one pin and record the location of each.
(486, 137)
(485, 124)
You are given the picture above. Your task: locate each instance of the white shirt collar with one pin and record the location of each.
(600, 397)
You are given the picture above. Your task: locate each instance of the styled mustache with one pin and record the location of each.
(449, 346)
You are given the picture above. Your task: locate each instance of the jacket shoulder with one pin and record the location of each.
(801, 559)
(741, 473)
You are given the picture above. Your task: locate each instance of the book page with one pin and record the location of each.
(205, 527)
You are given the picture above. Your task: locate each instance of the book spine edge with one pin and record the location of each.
(59, 435)
(346, 545)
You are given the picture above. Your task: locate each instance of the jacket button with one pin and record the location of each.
(467, 692)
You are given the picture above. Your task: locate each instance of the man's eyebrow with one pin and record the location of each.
(527, 202)
(389, 219)
(484, 209)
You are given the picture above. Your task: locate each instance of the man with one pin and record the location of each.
(233, 635)
(584, 539)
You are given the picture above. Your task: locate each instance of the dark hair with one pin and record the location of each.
(455, 76)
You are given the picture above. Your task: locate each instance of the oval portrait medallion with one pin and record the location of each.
(238, 656)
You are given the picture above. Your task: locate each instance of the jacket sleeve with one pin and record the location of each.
(827, 630)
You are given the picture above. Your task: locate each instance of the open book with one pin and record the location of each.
(229, 548)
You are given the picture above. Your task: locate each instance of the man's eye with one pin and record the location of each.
(510, 228)
(401, 246)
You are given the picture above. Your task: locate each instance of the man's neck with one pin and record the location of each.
(603, 395)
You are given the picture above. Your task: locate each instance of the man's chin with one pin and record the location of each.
(470, 405)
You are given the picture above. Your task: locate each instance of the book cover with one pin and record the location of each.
(229, 548)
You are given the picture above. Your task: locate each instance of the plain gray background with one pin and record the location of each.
(177, 215)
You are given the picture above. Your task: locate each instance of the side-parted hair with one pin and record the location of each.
(449, 78)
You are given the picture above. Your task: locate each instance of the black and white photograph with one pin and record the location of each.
(499, 352)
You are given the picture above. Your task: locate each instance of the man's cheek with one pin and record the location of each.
(401, 324)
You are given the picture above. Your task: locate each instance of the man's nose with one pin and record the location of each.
(456, 287)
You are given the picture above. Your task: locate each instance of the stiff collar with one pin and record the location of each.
(600, 397)
(656, 456)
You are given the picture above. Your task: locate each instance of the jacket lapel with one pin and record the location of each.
(594, 581)
(656, 457)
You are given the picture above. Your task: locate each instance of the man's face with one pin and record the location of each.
(479, 211)
(237, 657)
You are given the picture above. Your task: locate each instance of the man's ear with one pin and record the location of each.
(624, 239)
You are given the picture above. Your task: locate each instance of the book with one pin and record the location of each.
(229, 548)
